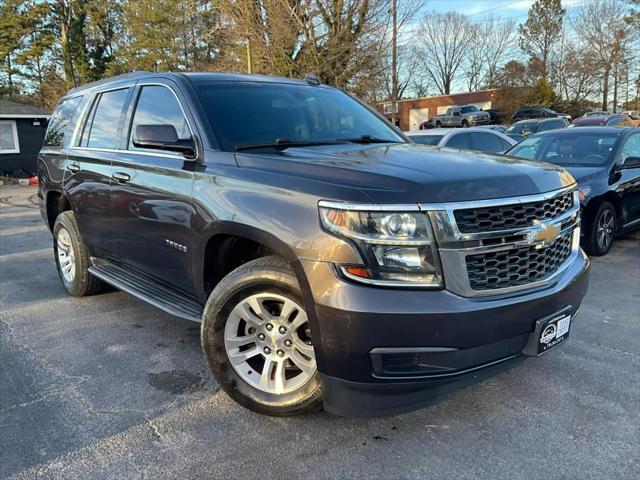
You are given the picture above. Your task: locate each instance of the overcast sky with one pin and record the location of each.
(501, 8)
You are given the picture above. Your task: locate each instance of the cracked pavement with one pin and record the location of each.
(109, 387)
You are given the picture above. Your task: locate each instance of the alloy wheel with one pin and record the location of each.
(66, 255)
(606, 226)
(268, 342)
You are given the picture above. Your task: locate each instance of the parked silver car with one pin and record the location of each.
(477, 139)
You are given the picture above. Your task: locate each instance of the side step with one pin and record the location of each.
(145, 288)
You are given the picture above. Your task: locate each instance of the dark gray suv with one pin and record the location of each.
(330, 261)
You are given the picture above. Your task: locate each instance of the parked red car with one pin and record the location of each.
(610, 120)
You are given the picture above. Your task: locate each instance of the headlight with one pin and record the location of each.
(584, 192)
(397, 246)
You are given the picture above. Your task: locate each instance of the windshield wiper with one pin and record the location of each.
(282, 143)
(367, 139)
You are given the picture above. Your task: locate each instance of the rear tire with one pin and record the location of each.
(438, 125)
(72, 258)
(601, 231)
(256, 339)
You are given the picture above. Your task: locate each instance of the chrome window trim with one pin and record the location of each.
(154, 153)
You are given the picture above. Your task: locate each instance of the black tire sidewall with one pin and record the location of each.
(593, 247)
(241, 283)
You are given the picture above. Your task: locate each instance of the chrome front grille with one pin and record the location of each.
(517, 266)
(501, 217)
(493, 247)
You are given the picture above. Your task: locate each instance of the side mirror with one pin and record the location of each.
(162, 137)
(630, 162)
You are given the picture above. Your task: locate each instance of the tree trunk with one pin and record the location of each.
(615, 86)
(394, 62)
(10, 74)
(67, 61)
(605, 89)
(40, 81)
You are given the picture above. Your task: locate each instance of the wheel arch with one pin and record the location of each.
(228, 245)
(56, 203)
(593, 204)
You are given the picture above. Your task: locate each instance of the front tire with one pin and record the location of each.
(257, 341)
(601, 231)
(72, 258)
(465, 124)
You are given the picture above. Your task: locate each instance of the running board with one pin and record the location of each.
(149, 290)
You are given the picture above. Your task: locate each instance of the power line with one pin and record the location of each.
(494, 8)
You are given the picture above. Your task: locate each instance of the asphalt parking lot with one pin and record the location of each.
(109, 387)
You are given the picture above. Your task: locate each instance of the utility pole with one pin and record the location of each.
(249, 61)
(394, 61)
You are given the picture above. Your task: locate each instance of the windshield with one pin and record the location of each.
(468, 109)
(575, 150)
(255, 113)
(525, 128)
(426, 139)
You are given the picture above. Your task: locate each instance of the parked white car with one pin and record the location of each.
(478, 139)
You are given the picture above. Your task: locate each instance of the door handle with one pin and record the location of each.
(121, 177)
(73, 167)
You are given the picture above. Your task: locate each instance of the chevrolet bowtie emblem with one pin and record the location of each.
(543, 234)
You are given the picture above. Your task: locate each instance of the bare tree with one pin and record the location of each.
(400, 16)
(606, 37)
(579, 73)
(492, 42)
(443, 40)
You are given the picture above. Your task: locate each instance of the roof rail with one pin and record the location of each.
(102, 81)
(312, 79)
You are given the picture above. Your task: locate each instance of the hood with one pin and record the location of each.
(586, 175)
(410, 173)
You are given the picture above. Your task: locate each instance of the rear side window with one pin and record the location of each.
(60, 123)
(458, 141)
(103, 125)
(158, 106)
(551, 125)
(486, 142)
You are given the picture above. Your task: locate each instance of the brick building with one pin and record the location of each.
(413, 112)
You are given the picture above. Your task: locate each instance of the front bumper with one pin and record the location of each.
(434, 341)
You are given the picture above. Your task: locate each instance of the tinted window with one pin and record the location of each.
(631, 147)
(158, 106)
(60, 122)
(486, 142)
(105, 127)
(585, 149)
(469, 109)
(505, 145)
(524, 128)
(620, 121)
(426, 139)
(551, 125)
(246, 113)
(460, 140)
